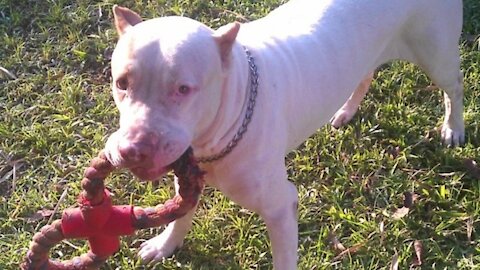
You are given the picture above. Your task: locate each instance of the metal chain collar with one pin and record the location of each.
(248, 114)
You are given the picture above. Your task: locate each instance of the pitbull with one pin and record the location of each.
(243, 96)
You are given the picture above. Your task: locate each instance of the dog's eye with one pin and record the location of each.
(122, 84)
(184, 89)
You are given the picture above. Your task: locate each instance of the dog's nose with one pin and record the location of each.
(137, 151)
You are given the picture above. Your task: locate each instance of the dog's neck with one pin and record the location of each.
(234, 93)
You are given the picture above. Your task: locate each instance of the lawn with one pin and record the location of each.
(382, 189)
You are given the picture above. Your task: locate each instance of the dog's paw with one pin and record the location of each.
(453, 137)
(159, 247)
(341, 118)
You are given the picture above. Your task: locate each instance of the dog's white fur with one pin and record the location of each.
(177, 83)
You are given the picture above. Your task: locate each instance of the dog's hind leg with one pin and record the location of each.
(348, 110)
(453, 128)
(437, 53)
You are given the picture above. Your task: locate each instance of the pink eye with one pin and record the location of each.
(122, 84)
(183, 89)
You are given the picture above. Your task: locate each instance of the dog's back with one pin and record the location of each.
(312, 42)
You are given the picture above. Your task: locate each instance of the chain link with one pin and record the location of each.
(248, 114)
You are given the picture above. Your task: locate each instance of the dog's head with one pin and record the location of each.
(167, 74)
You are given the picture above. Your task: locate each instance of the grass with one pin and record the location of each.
(57, 114)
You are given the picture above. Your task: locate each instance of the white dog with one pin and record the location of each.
(245, 95)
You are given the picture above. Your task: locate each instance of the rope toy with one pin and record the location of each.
(102, 224)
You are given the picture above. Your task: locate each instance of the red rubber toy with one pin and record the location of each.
(102, 224)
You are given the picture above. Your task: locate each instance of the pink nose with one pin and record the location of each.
(139, 150)
(135, 153)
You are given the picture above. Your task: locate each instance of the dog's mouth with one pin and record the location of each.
(146, 158)
(149, 174)
(151, 171)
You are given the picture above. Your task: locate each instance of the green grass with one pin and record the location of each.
(57, 114)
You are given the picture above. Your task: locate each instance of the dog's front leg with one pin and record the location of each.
(165, 244)
(280, 216)
(268, 192)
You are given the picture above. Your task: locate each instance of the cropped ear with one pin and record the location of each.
(124, 19)
(225, 38)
